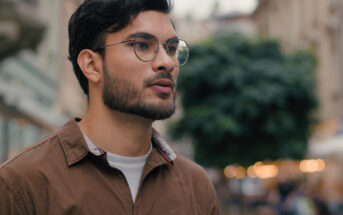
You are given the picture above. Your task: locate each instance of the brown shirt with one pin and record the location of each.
(58, 175)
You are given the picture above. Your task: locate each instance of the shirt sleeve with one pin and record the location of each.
(8, 203)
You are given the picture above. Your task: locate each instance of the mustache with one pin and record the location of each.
(160, 75)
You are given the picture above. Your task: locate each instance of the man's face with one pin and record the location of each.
(132, 86)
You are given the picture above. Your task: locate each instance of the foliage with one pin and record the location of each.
(245, 101)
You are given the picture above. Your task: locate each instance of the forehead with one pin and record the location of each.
(152, 22)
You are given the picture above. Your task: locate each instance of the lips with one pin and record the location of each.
(164, 86)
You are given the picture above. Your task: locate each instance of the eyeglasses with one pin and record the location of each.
(146, 49)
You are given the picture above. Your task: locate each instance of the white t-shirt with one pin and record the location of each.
(131, 167)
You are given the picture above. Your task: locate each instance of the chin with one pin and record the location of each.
(162, 102)
(159, 110)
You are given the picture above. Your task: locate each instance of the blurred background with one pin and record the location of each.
(260, 100)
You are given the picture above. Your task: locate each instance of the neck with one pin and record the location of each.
(117, 132)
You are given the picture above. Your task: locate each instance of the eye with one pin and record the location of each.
(142, 45)
(171, 50)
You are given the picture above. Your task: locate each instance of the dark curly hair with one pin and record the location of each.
(94, 18)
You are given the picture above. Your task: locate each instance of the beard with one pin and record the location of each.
(123, 96)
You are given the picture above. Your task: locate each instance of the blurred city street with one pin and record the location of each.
(260, 102)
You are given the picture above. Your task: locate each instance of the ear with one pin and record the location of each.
(91, 65)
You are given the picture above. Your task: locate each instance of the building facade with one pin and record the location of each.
(314, 25)
(38, 90)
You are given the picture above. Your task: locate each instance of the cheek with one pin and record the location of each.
(122, 59)
(123, 67)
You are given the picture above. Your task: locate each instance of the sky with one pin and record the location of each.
(201, 9)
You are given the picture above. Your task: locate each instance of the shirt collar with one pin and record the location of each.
(92, 147)
(162, 146)
(72, 142)
(75, 147)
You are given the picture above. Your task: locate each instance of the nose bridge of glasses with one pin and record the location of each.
(170, 55)
(164, 49)
(164, 46)
(162, 53)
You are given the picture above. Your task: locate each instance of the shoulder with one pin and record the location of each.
(197, 183)
(29, 160)
(187, 165)
(191, 172)
(23, 174)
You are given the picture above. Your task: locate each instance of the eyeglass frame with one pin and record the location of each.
(158, 48)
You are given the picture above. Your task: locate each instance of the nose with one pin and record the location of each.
(162, 61)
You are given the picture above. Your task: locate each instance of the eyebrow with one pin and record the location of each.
(147, 36)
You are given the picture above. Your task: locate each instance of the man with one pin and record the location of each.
(126, 56)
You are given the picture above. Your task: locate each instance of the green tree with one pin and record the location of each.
(245, 101)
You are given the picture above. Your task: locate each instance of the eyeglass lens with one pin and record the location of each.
(147, 48)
